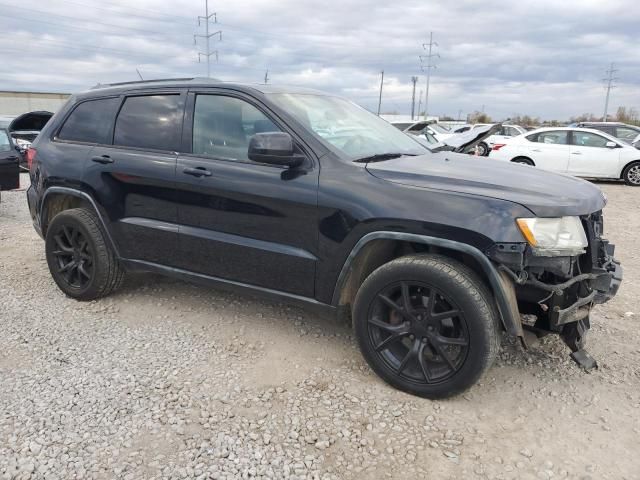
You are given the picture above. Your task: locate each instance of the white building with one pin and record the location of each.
(13, 103)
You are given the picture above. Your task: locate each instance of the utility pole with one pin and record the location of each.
(459, 114)
(413, 97)
(266, 77)
(609, 81)
(429, 59)
(380, 97)
(419, 102)
(207, 36)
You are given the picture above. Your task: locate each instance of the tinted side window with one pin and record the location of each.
(90, 121)
(150, 121)
(222, 126)
(626, 133)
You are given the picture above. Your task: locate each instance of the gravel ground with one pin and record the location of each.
(169, 380)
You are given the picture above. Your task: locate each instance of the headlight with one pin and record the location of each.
(550, 237)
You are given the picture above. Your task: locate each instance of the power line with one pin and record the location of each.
(429, 59)
(609, 81)
(207, 36)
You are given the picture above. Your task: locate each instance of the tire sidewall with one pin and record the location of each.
(625, 174)
(484, 149)
(480, 330)
(64, 218)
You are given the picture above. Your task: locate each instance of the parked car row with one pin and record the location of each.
(583, 152)
(9, 162)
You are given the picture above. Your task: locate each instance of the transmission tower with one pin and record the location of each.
(609, 85)
(428, 58)
(207, 36)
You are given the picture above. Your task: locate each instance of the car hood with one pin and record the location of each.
(546, 194)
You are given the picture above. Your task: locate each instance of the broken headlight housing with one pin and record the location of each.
(554, 237)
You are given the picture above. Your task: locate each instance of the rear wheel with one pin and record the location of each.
(426, 325)
(523, 161)
(483, 149)
(80, 261)
(631, 174)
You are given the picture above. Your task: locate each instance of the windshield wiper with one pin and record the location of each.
(379, 157)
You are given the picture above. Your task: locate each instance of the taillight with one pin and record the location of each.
(498, 146)
(30, 155)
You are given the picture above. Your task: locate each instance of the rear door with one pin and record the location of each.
(590, 156)
(240, 220)
(550, 150)
(133, 176)
(9, 163)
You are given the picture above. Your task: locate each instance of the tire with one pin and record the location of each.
(631, 174)
(80, 260)
(523, 161)
(456, 348)
(483, 149)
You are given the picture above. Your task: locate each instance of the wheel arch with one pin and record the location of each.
(627, 165)
(57, 199)
(524, 157)
(378, 248)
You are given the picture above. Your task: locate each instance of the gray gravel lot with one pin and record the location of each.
(169, 380)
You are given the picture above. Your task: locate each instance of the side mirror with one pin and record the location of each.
(611, 144)
(275, 148)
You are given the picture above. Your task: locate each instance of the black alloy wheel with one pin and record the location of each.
(426, 324)
(74, 258)
(80, 259)
(419, 332)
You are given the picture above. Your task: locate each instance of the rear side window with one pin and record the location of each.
(90, 121)
(151, 121)
(5, 144)
(555, 137)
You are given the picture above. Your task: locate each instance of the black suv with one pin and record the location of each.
(310, 198)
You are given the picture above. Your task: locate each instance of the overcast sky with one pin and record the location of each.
(543, 58)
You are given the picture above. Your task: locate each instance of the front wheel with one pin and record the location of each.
(426, 325)
(631, 174)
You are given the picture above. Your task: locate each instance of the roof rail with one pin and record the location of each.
(134, 82)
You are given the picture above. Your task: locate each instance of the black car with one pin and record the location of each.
(625, 132)
(309, 198)
(9, 162)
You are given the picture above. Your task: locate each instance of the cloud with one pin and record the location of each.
(544, 58)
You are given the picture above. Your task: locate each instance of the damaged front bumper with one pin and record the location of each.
(560, 292)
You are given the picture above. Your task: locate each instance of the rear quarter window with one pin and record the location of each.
(90, 121)
(150, 122)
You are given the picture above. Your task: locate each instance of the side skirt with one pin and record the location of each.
(231, 286)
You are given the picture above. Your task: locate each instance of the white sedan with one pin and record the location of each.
(581, 152)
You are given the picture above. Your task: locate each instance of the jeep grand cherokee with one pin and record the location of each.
(307, 197)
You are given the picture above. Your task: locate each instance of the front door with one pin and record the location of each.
(590, 156)
(134, 178)
(240, 220)
(9, 163)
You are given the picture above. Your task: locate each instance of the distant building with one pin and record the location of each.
(14, 103)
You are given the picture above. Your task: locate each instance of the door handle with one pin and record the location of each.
(197, 172)
(536, 150)
(103, 159)
(576, 153)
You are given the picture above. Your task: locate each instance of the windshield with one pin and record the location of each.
(346, 126)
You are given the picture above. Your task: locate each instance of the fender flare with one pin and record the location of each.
(80, 194)
(499, 284)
